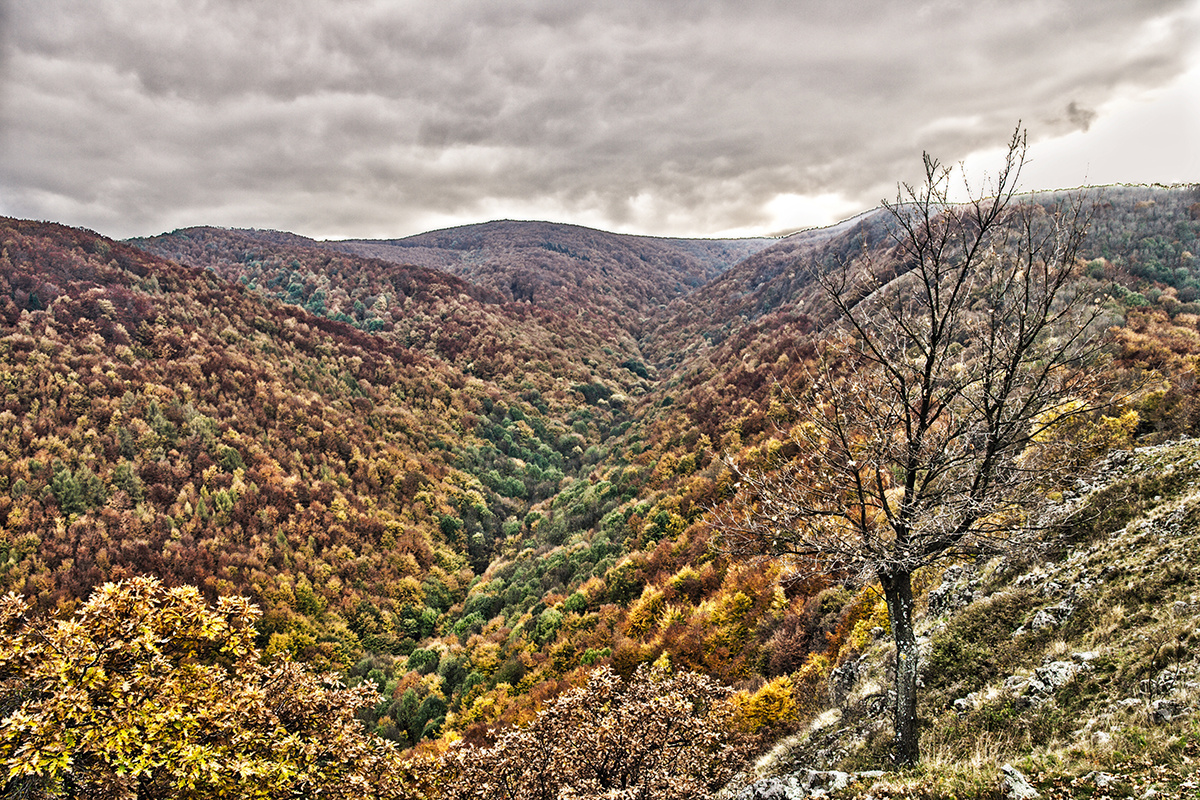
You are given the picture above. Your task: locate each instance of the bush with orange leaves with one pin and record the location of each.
(658, 736)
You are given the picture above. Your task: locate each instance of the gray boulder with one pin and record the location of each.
(1016, 785)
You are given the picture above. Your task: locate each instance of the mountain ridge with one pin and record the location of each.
(552, 265)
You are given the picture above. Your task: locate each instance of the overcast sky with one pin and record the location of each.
(383, 118)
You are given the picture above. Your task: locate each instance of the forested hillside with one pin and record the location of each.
(475, 327)
(477, 476)
(551, 265)
(167, 422)
(613, 281)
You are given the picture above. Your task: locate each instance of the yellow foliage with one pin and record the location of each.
(1118, 431)
(1045, 423)
(734, 609)
(485, 658)
(671, 615)
(778, 410)
(487, 708)
(860, 636)
(771, 707)
(665, 467)
(407, 591)
(340, 507)
(645, 612)
(681, 580)
(210, 719)
(1084, 437)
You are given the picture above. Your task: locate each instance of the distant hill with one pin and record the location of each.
(1143, 233)
(776, 278)
(554, 265)
(620, 279)
(476, 327)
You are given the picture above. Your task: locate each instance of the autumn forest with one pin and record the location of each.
(478, 475)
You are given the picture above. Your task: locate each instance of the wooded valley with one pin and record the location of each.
(477, 474)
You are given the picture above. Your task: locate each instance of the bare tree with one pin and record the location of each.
(957, 354)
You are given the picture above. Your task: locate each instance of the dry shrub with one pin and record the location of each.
(656, 736)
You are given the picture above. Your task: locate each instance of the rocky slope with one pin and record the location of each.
(1073, 672)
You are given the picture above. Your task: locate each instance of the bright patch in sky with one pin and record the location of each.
(789, 213)
(1144, 137)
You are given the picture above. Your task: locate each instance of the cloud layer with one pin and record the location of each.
(382, 118)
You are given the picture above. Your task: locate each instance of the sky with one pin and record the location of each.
(699, 118)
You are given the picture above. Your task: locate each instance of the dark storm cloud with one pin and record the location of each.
(372, 118)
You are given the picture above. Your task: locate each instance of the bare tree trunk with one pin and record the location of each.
(897, 591)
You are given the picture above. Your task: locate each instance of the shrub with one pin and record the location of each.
(657, 736)
(149, 692)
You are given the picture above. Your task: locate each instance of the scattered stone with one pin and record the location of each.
(1166, 710)
(787, 788)
(842, 680)
(955, 591)
(1051, 588)
(1049, 617)
(1016, 785)
(1015, 684)
(801, 786)
(1164, 683)
(1056, 674)
(825, 782)
(1042, 619)
(1102, 780)
(1046, 680)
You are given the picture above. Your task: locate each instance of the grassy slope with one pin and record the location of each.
(1072, 667)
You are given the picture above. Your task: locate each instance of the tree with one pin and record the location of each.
(657, 736)
(149, 692)
(956, 357)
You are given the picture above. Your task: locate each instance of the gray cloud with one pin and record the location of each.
(375, 118)
(1080, 116)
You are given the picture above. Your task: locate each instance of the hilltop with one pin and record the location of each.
(620, 279)
(554, 264)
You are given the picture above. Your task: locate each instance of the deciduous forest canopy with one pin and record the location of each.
(470, 473)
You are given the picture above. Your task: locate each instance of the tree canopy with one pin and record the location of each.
(658, 735)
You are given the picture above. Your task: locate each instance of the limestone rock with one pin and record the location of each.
(1016, 785)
